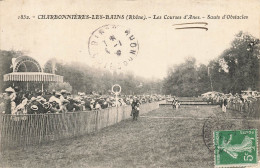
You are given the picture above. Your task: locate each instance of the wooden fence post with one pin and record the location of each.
(97, 122)
(117, 114)
(1, 122)
(107, 119)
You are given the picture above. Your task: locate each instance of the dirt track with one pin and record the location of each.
(162, 138)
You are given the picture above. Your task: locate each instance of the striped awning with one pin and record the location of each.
(33, 77)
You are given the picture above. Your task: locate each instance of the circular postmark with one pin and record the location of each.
(113, 46)
(220, 122)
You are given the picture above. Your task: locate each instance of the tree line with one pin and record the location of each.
(84, 78)
(236, 69)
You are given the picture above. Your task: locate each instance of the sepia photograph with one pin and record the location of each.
(129, 83)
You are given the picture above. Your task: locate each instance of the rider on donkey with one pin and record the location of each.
(134, 104)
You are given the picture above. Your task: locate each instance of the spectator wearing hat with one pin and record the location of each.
(224, 104)
(22, 107)
(87, 103)
(48, 108)
(58, 95)
(55, 106)
(9, 101)
(64, 101)
(70, 105)
(109, 102)
(53, 97)
(77, 104)
(92, 104)
(34, 109)
(104, 105)
(34, 102)
(97, 106)
(56, 99)
(62, 95)
(82, 105)
(19, 95)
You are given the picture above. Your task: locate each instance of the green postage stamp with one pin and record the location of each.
(235, 148)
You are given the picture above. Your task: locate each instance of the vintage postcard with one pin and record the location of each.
(129, 83)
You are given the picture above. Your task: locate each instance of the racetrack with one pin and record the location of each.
(164, 137)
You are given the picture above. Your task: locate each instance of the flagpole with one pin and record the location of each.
(210, 80)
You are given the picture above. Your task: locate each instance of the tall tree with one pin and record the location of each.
(182, 79)
(5, 65)
(242, 60)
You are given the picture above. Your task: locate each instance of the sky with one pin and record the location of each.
(160, 44)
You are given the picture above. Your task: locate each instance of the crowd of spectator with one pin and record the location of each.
(15, 101)
(241, 98)
(246, 101)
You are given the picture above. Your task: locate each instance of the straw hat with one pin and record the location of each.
(39, 97)
(63, 91)
(33, 98)
(34, 107)
(10, 90)
(57, 94)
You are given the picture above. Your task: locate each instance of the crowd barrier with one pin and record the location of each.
(251, 109)
(35, 129)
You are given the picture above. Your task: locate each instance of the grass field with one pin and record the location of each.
(160, 138)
